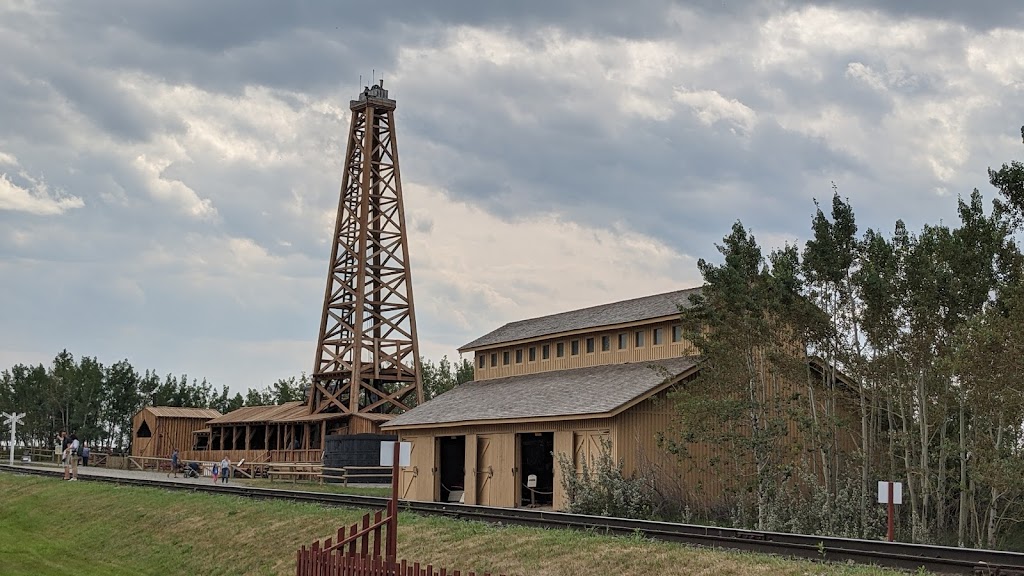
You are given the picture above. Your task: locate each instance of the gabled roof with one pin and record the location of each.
(251, 414)
(575, 393)
(624, 312)
(296, 411)
(179, 412)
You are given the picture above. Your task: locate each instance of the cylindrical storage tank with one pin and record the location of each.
(343, 450)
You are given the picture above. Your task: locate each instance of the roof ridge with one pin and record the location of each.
(585, 308)
(609, 313)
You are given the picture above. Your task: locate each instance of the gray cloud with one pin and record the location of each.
(206, 143)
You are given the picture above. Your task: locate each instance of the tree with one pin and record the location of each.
(830, 261)
(741, 324)
(123, 401)
(443, 376)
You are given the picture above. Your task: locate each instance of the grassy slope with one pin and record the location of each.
(52, 527)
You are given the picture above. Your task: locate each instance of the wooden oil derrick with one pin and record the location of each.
(367, 356)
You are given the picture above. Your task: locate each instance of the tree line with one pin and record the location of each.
(918, 338)
(98, 401)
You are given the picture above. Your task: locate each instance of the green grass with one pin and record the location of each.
(48, 526)
(316, 487)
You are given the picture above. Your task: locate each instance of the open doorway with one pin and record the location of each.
(451, 452)
(537, 481)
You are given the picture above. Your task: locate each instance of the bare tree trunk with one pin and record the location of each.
(993, 502)
(940, 490)
(925, 476)
(976, 535)
(816, 428)
(962, 525)
(908, 462)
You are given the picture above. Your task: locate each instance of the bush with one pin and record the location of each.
(601, 489)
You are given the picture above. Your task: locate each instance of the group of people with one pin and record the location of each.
(71, 450)
(220, 470)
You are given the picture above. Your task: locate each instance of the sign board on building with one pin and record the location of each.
(387, 453)
(531, 481)
(883, 492)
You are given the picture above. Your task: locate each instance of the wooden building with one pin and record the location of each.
(158, 430)
(557, 385)
(281, 433)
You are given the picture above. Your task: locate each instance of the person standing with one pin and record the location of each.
(73, 456)
(85, 454)
(174, 463)
(65, 443)
(225, 469)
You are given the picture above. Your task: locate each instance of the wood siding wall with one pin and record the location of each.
(166, 434)
(492, 459)
(492, 456)
(630, 353)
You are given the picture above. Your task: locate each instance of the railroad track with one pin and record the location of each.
(943, 559)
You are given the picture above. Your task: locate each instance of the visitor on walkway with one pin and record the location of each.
(225, 469)
(65, 449)
(85, 454)
(72, 457)
(215, 472)
(174, 463)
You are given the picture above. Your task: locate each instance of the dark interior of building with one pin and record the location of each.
(537, 450)
(452, 461)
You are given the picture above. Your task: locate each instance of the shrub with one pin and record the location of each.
(601, 489)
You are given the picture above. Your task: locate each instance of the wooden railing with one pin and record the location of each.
(145, 463)
(299, 471)
(355, 473)
(300, 455)
(40, 454)
(293, 471)
(357, 552)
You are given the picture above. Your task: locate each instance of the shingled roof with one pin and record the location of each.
(180, 412)
(635, 310)
(577, 392)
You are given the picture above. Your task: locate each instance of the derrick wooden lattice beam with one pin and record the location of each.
(367, 357)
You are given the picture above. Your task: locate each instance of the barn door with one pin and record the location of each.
(587, 446)
(485, 469)
(418, 477)
(408, 474)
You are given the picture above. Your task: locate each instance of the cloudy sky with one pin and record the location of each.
(169, 171)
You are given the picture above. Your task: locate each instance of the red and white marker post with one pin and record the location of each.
(890, 493)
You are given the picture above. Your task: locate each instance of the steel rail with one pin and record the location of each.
(942, 559)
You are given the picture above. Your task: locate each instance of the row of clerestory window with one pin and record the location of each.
(657, 339)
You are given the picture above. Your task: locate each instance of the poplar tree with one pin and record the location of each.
(740, 401)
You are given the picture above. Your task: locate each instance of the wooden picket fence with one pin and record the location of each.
(357, 552)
